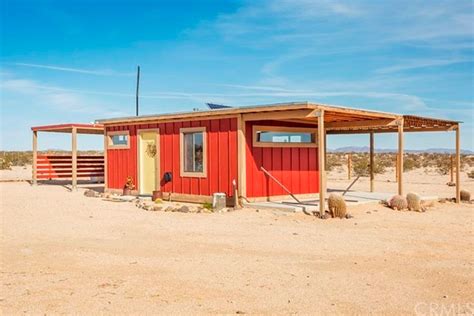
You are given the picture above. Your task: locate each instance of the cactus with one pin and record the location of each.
(465, 196)
(398, 202)
(337, 205)
(414, 202)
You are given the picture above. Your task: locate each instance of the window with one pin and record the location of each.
(280, 136)
(193, 152)
(118, 140)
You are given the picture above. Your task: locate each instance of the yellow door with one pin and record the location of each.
(148, 159)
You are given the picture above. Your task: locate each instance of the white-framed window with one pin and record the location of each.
(118, 139)
(281, 136)
(193, 152)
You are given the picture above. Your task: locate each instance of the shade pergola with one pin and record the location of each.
(70, 128)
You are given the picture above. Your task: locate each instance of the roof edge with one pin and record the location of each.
(244, 110)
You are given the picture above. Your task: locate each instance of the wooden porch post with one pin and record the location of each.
(35, 158)
(74, 158)
(325, 152)
(458, 164)
(451, 168)
(371, 162)
(241, 161)
(400, 155)
(397, 158)
(106, 146)
(321, 164)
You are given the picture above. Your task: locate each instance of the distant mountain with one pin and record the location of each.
(364, 149)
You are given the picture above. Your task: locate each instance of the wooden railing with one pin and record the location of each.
(56, 167)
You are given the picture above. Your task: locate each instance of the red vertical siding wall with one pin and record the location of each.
(221, 157)
(296, 168)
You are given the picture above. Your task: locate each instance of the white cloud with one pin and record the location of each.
(76, 70)
(57, 98)
(421, 63)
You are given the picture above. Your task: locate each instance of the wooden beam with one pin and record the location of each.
(74, 158)
(385, 129)
(278, 115)
(360, 123)
(321, 164)
(302, 121)
(371, 162)
(458, 165)
(241, 155)
(35, 158)
(106, 146)
(400, 160)
(335, 109)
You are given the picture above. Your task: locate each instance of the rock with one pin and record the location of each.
(326, 216)
(156, 208)
(168, 209)
(348, 216)
(91, 193)
(183, 209)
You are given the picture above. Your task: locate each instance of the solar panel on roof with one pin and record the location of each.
(214, 106)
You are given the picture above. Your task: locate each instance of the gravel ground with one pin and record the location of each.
(62, 252)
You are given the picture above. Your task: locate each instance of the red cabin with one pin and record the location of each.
(258, 153)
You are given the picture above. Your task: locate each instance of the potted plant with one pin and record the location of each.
(129, 186)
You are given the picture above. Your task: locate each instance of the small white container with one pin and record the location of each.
(218, 201)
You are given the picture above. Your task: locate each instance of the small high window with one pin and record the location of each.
(118, 139)
(193, 152)
(279, 136)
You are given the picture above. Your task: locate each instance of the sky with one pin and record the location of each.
(75, 61)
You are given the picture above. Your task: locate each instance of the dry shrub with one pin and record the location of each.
(360, 165)
(337, 205)
(334, 160)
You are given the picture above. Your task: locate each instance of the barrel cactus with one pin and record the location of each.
(337, 205)
(465, 196)
(414, 202)
(398, 202)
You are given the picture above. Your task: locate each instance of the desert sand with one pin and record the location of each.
(62, 252)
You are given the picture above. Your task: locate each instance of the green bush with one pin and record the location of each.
(410, 162)
(334, 160)
(207, 205)
(360, 165)
(5, 164)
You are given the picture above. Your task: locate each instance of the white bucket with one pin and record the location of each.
(218, 201)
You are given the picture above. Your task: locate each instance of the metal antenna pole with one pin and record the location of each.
(138, 85)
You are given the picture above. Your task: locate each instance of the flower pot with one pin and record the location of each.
(157, 195)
